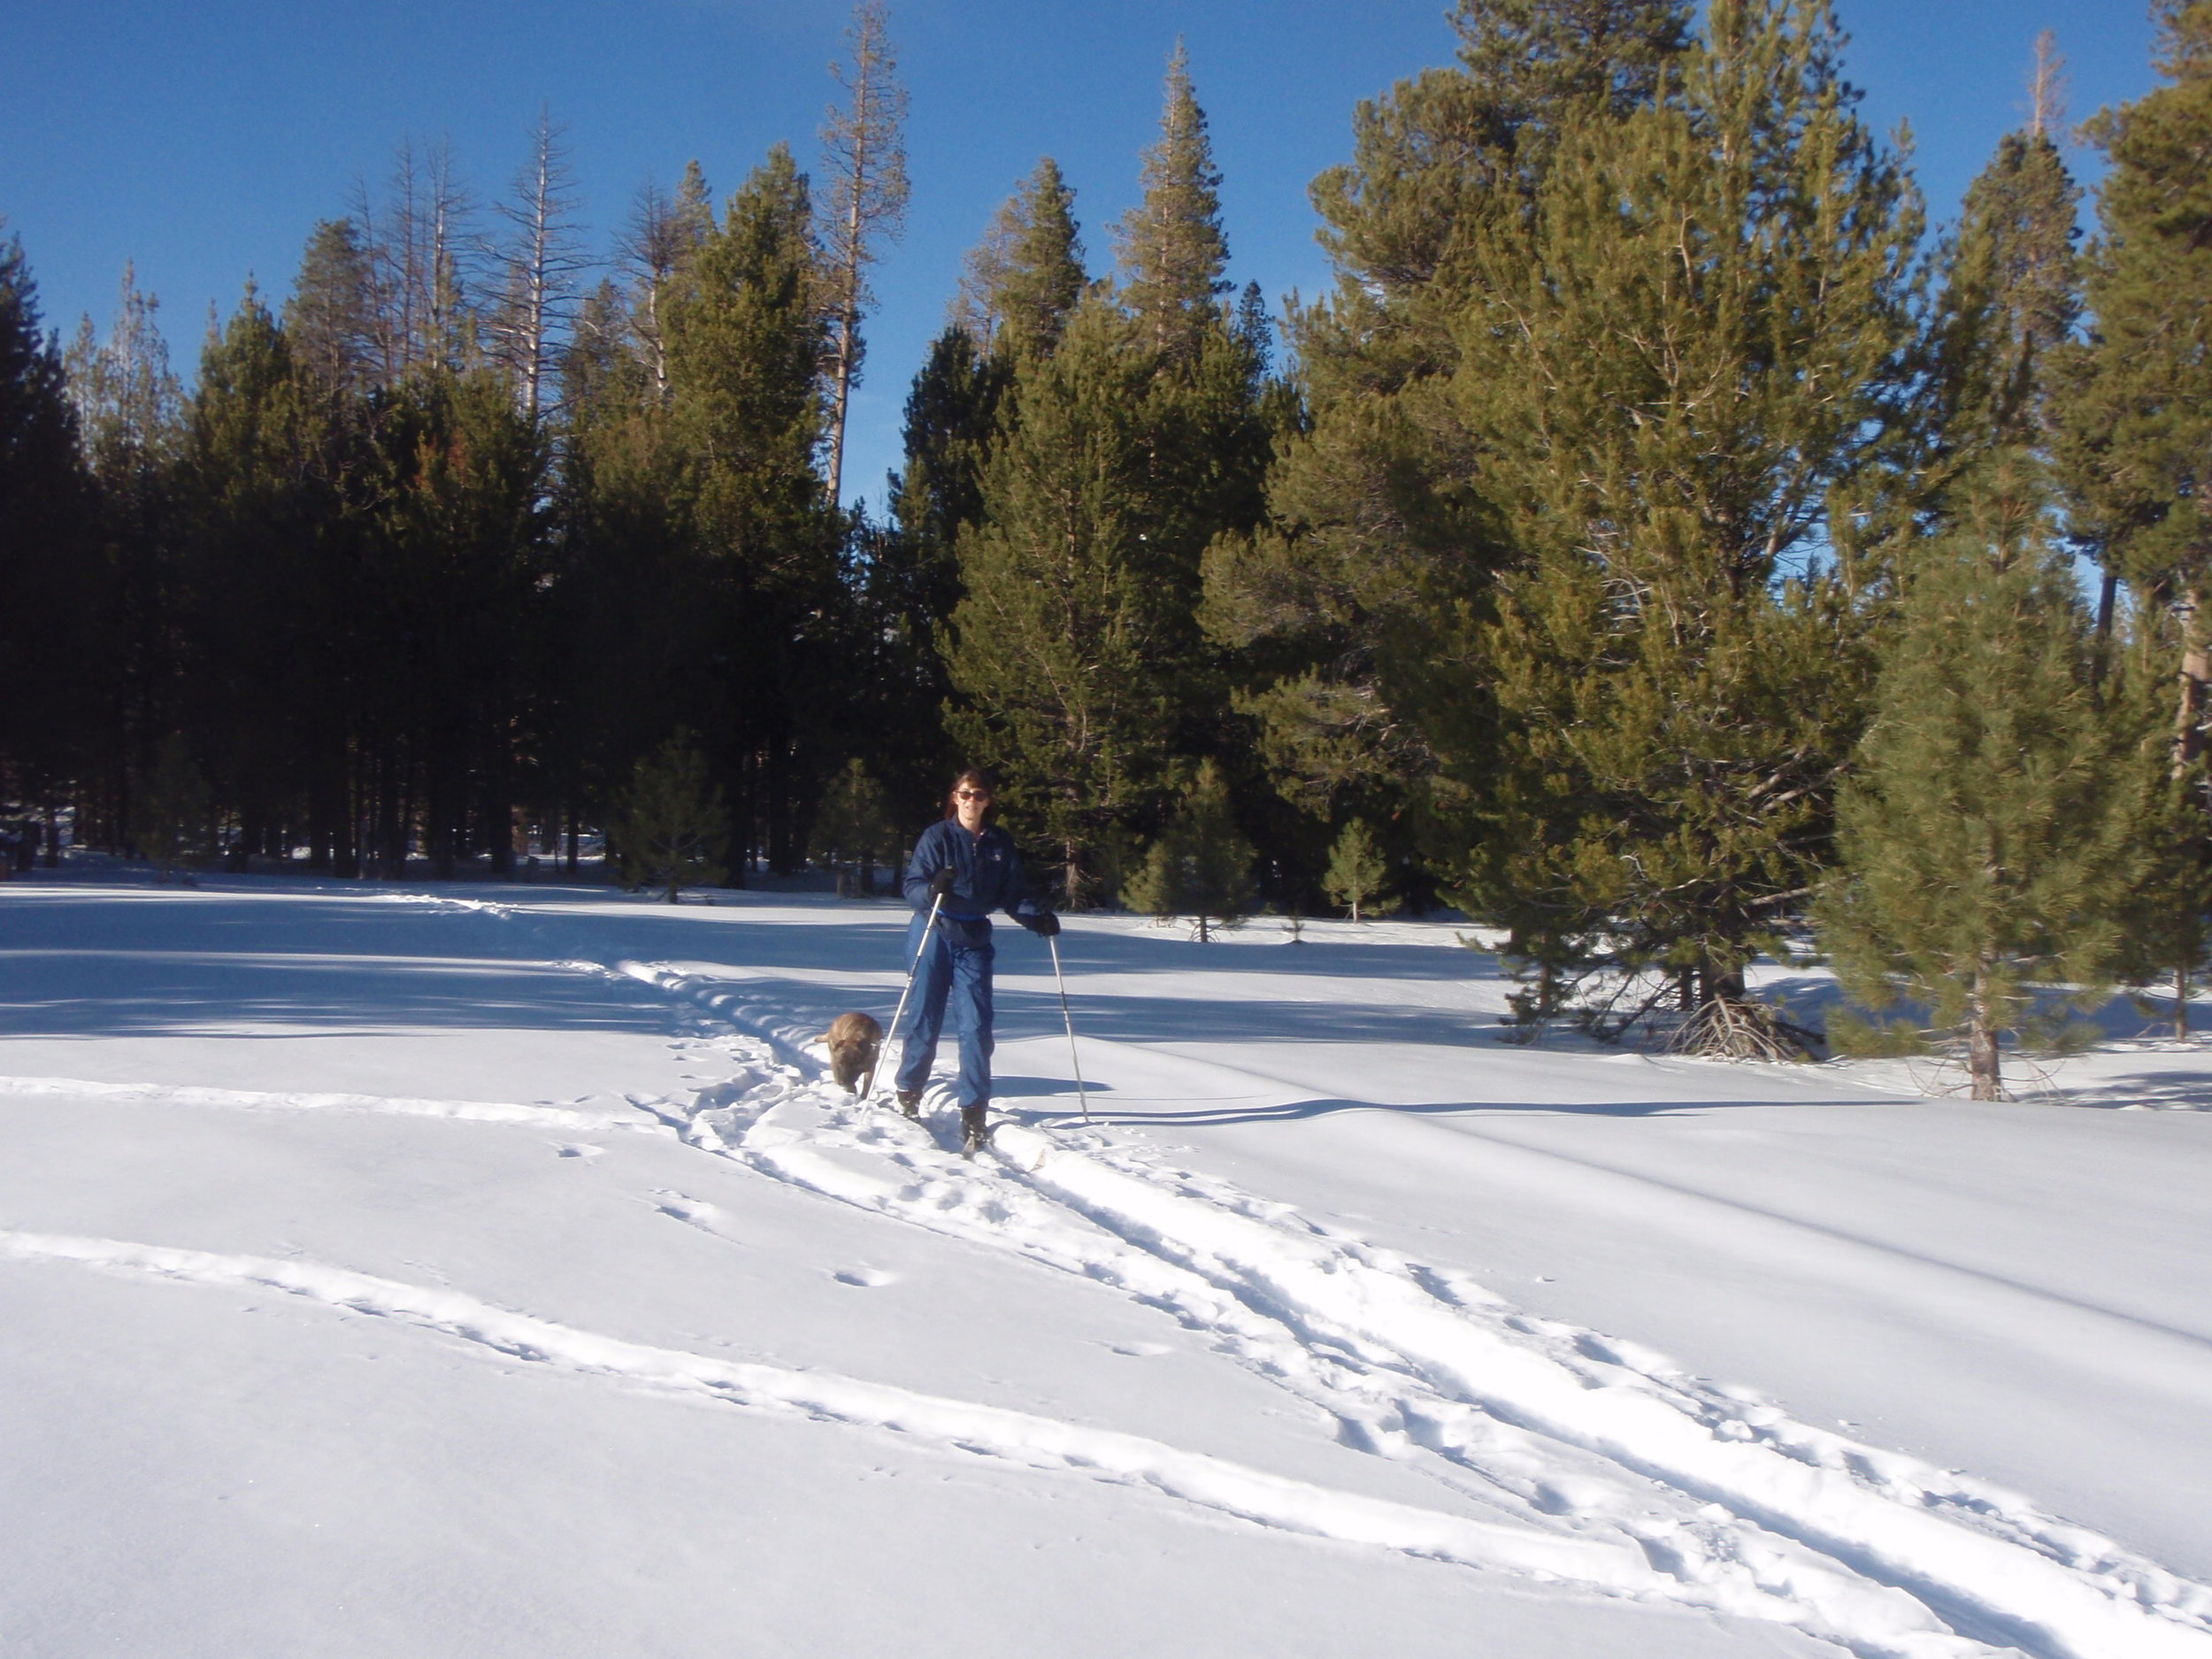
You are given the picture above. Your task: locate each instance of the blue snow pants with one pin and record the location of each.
(956, 968)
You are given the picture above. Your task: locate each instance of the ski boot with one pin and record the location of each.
(973, 1131)
(911, 1102)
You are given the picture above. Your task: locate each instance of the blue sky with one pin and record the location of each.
(203, 140)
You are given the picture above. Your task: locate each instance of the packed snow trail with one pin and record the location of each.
(1987, 1582)
(1984, 1560)
(255, 1100)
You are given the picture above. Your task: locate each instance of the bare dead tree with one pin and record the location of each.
(413, 239)
(2047, 86)
(537, 263)
(975, 302)
(663, 234)
(863, 146)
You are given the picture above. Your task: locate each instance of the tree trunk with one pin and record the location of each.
(2196, 670)
(2181, 1000)
(1981, 1043)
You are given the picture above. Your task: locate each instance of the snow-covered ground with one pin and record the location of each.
(495, 1272)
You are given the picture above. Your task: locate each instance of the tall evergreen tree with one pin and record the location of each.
(2012, 296)
(330, 319)
(1171, 247)
(127, 405)
(911, 581)
(1021, 283)
(252, 516)
(1349, 610)
(1686, 373)
(1078, 664)
(1065, 623)
(1986, 827)
(454, 560)
(2136, 418)
(46, 549)
(747, 346)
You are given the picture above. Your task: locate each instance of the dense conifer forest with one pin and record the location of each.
(1661, 544)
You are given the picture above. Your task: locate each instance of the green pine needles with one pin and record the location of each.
(1986, 826)
(852, 828)
(1358, 872)
(1200, 867)
(671, 826)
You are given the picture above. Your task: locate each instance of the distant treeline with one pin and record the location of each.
(1657, 540)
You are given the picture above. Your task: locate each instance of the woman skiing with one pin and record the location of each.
(963, 867)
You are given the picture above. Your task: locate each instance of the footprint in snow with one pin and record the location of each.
(579, 1151)
(863, 1278)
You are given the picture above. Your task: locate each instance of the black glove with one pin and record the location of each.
(940, 884)
(1045, 927)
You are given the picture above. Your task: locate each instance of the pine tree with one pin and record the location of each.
(1020, 284)
(253, 517)
(1986, 826)
(853, 827)
(172, 814)
(127, 405)
(1078, 664)
(1058, 645)
(747, 346)
(910, 580)
(1351, 610)
(1357, 872)
(46, 507)
(670, 827)
(1654, 792)
(1171, 247)
(330, 319)
(2136, 416)
(2011, 294)
(458, 552)
(1200, 867)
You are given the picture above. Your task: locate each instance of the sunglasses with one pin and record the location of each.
(971, 795)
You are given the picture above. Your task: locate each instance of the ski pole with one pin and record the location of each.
(914, 967)
(1068, 1019)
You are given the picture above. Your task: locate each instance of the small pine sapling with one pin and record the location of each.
(172, 821)
(1358, 872)
(671, 828)
(1988, 826)
(852, 826)
(1200, 866)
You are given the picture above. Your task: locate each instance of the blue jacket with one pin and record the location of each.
(986, 874)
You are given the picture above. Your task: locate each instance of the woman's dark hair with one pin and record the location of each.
(972, 777)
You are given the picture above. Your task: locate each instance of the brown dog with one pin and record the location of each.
(854, 1041)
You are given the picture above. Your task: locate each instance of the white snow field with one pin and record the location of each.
(495, 1272)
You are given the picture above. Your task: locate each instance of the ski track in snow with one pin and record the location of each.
(1606, 1466)
(1036, 1442)
(1749, 1510)
(251, 1099)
